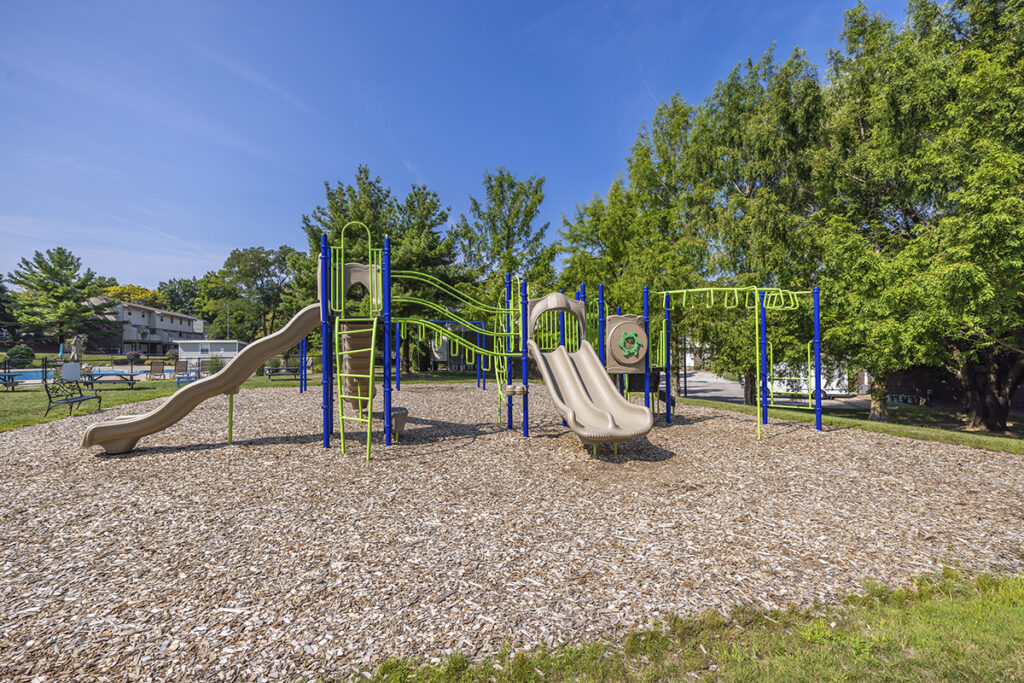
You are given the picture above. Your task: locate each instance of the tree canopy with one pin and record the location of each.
(180, 295)
(56, 300)
(136, 294)
(500, 236)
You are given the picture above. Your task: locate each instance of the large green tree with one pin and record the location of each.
(971, 252)
(877, 196)
(229, 316)
(367, 201)
(419, 244)
(57, 300)
(180, 295)
(500, 235)
(7, 319)
(256, 278)
(751, 149)
(603, 244)
(414, 222)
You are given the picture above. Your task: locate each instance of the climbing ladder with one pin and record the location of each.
(355, 347)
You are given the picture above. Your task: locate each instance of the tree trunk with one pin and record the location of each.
(879, 391)
(406, 356)
(988, 386)
(749, 388)
(677, 367)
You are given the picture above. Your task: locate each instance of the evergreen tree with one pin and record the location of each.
(500, 237)
(56, 300)
(7, 320)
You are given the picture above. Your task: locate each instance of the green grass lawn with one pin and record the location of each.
(944, 628)
(26, 405)
(905, 420)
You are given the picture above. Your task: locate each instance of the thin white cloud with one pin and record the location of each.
(45, 159)
(255, 78)
(643, 79)
(119, 95)
(105, 214)
(108, 249)
(414, 169)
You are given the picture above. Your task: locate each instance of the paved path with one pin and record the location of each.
(711, 387)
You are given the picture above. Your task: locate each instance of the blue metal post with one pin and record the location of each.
(508, 346)
(647, 333)
(622, 387)
(302, 365)
(817, 359)
(600, 323)
(387, 341)
(325, 334)
(526, 397)
(764, 360)
(668, 359)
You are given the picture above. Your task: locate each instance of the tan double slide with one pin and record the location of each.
(581, 389)
(121, 434)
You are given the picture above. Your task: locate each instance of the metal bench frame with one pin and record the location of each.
(63, 392)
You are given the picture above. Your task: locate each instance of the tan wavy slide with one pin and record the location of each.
(587, 398)
(121, 434)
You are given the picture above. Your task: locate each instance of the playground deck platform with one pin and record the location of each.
(189, 558)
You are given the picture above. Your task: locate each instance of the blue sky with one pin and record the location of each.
(152, 138)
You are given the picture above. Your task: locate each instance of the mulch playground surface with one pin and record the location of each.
(272, 557)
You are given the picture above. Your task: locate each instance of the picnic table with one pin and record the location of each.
(9, 380)
(93, 379)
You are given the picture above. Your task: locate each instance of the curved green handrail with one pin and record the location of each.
(451, 291)
(446, 313)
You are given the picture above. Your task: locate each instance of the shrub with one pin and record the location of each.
(172, 355)
(133, 357)
(21, 356)
(216, 364)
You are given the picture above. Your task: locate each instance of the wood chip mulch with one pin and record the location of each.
(273, 558)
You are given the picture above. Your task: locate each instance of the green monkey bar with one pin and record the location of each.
(760, 300)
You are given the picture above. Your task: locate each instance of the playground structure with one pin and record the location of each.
(760, 300)
(578, 376)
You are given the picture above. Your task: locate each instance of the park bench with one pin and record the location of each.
(65, 392)
(271, 373)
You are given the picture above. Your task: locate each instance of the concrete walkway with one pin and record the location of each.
(711, 387)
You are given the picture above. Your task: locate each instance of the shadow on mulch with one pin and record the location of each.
(258, 441)
(637, 450)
